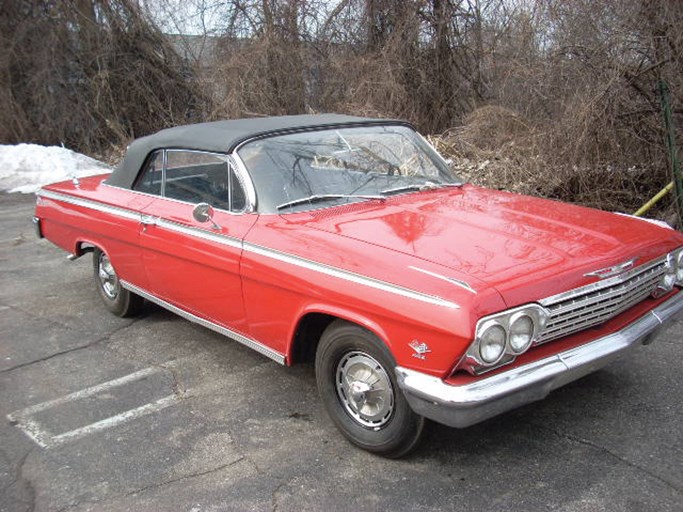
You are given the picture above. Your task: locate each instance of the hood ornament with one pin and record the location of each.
(614, 270)
(421, 349)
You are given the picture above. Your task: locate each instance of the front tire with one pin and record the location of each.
(355, 376)
(117, 299)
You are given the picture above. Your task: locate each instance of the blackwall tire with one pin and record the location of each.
(117, 299)
(356, 380)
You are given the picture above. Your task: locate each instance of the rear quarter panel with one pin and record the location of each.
(108, 218)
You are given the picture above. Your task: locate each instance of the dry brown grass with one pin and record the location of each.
(497, 148)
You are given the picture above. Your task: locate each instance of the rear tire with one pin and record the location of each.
(355, 375)
(116, 298)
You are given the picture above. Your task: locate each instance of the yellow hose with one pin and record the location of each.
(644, 209)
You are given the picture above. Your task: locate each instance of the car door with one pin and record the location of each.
(190, 264)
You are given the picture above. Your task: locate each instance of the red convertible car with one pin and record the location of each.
(349, 242)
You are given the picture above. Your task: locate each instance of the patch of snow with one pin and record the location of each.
(25, 168)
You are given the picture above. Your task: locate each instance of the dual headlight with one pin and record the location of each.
(501, 337)
(505, 335)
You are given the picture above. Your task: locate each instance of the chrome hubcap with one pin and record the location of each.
(364, 389)
(109, 281)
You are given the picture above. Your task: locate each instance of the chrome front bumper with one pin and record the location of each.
(462, 406)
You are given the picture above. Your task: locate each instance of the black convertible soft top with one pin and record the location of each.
(223, 137)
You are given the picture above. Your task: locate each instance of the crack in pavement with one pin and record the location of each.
(47, 358)
(178, 387)
(42, 318)
(591, 444)
(184, 477)
(273, 495)
(283, 481)
(19, 478)
(153, 486)
(258, 470)
(29, 484)
(93, 343)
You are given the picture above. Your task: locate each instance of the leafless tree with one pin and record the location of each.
(87, 73)
(554, 97)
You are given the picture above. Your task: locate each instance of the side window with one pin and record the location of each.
(193, 177)
(150, 179)
(196, 177)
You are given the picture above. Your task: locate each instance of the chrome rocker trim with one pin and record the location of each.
(251, 343)
(462, 406)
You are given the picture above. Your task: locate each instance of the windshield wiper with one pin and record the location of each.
(324, 197)
(428, 185)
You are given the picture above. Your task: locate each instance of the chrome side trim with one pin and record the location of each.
(249, 342)
(304, 263)
(457, 282)
(348, 276)
(199, 233)
(256, 249)
(93, 205)
(465, 405)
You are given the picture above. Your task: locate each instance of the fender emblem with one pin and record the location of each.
(421, 349)
(614, 270)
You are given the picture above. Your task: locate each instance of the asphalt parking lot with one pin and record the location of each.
(156, 413)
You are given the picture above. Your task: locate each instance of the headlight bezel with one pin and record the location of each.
(474, 363)
(673, 276)
(505, 319)
(678, 262)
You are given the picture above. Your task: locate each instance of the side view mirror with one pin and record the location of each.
(203, 212)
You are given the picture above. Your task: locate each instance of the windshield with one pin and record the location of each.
(317, 169)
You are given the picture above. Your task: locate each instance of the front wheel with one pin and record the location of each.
(117, 299)
(355, 376)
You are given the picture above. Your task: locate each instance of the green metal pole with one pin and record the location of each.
(671, 146)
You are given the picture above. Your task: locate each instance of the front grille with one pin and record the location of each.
(596, 303)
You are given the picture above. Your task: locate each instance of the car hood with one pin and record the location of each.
(525, 247)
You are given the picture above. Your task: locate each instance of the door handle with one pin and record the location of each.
(148, 220)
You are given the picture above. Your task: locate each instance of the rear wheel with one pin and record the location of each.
(355, 376)
(117, 299)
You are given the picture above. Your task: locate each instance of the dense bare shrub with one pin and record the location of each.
(86, 74)
(585, 75)
(553, 97)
